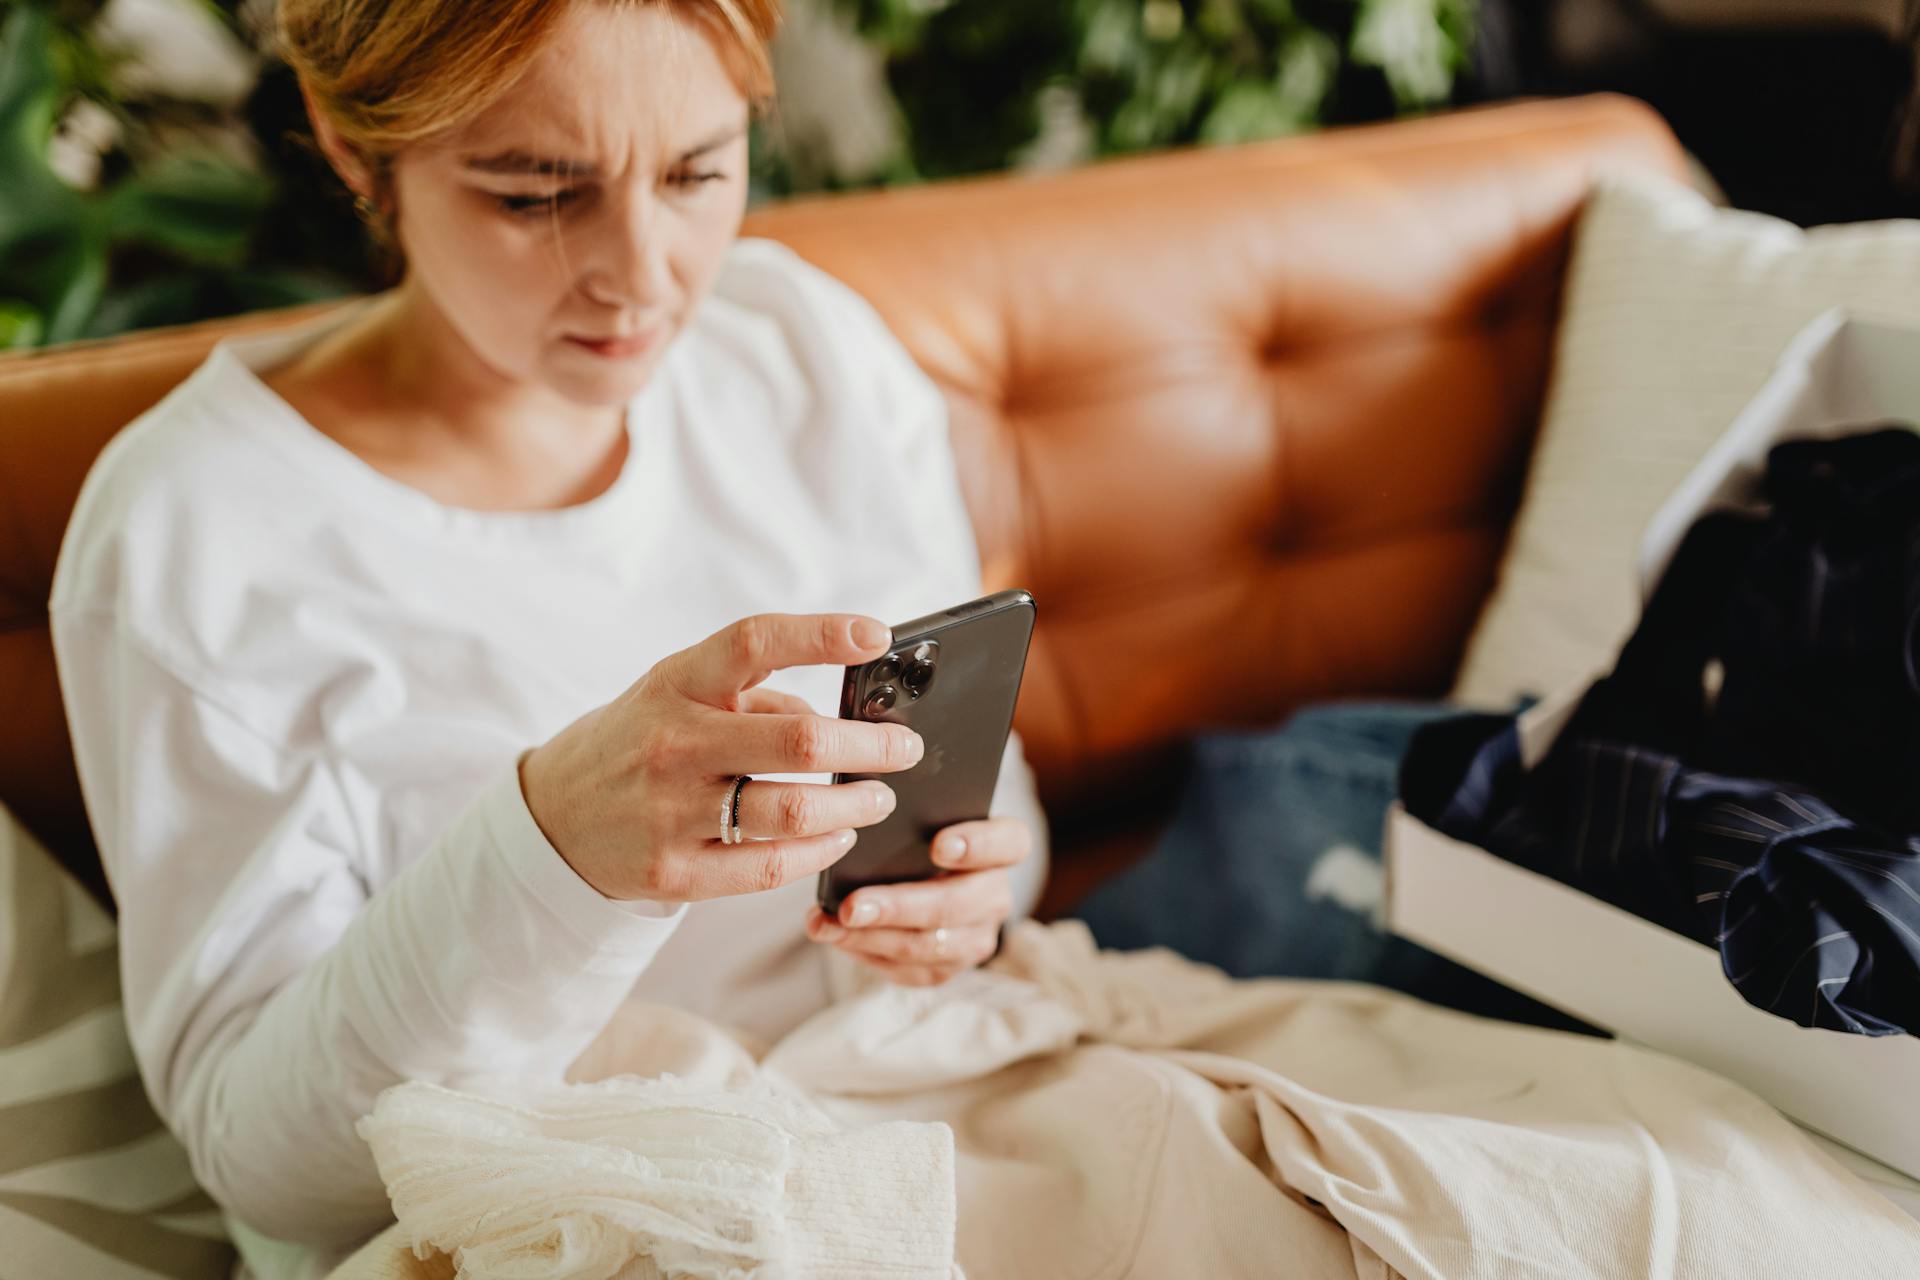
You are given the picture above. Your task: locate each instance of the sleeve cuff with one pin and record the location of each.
(625, 929)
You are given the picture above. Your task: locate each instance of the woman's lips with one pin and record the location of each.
(616, 348)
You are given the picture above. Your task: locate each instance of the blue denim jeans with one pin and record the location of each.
(1271, 866)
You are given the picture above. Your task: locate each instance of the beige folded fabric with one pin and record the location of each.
(1140, 1115)
(1136, 1115)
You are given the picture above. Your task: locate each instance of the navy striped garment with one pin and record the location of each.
(1749, 773)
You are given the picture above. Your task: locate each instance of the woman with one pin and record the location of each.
(409, 656)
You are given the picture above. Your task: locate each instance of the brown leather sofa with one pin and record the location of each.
(1250, 424)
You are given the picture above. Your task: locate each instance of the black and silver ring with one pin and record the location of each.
(730, 832)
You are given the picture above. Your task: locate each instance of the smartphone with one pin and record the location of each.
(953, 678)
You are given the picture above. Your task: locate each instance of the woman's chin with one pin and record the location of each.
(589, 379)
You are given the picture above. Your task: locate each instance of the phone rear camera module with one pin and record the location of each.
(880, 701)
(887, 669)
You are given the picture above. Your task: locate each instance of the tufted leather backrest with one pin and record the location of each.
(1248, 422)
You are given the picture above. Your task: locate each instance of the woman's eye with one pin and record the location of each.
(527, 206)
(690, 179)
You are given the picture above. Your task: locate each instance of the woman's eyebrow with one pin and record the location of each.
(517, 161)
(715, 142)
(526, 162)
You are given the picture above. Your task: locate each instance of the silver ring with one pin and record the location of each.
(730, 832)
(940, 937)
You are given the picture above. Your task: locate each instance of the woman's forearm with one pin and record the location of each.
(487, 956)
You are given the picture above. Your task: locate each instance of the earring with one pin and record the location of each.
(366, 208)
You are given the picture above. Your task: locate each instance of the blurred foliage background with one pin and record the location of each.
(978, 81)
(154, 167)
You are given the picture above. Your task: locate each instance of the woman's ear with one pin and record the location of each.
(345, 160)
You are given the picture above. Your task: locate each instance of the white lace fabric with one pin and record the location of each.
(633, 1179)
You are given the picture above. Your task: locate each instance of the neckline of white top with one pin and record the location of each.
(235, 365)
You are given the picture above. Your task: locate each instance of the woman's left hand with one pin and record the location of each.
(921, 934)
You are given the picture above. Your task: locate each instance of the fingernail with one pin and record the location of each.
(915, 748)
(846, 838)
(864, 913)
(883, 799)
(953, 848)
(830, 931)
(869, 634)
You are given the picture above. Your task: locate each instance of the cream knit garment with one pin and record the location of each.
(635, 1179)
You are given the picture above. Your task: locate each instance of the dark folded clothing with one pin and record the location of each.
(1745, 775)
(1815, 917)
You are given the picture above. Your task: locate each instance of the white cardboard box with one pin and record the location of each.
(1659, 989)
(1841, 372)
(1634, 978)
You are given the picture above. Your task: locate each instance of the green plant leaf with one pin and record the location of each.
(1111, 42)
(30, 99)
(1221, 21)
(41, 263)
(181, 296)
(56, 243)
(83, 272)
(1308, 63)
(20, 324)
(51, 257)
(1245, 112)
(268, 290)
(170, 299)
(1177, 86)
(195, 207)
(29, 82)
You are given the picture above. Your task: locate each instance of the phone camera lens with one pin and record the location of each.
(880, 701)
(918, 676)
(888, 668)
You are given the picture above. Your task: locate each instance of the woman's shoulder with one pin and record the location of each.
(870, 424)
(790, 311)
(184, 478)
(774, 275)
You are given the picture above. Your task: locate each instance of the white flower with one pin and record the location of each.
(1404, 39)
(176, 49)
(84, 134)
(1064, 138)
(835, 110)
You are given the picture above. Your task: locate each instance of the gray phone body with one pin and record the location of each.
(962, 708)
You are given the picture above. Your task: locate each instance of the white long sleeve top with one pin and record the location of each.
(297, 689)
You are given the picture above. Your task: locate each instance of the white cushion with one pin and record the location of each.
(91, 1183)
(1674, 314)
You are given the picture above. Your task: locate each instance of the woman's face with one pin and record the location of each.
(568, 232)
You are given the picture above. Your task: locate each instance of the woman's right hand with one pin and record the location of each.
(630, 793)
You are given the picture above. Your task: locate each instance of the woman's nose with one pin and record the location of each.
(628, 263)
